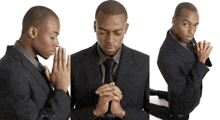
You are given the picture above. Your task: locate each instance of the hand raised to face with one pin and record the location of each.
(203, 50)
(60, 76)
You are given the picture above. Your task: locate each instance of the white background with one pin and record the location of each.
(149, 22)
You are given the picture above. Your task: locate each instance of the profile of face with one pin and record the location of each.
(185, 25)
(110, 31)
(45, 41)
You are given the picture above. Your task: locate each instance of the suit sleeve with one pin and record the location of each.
(182, 85)
(17, 101)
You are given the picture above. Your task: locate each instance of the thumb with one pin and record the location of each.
(47, 72)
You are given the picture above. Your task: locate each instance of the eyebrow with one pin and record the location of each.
(56, 32)
(189, 21)
(107, 30)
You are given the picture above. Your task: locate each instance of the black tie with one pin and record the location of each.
(109, 66)
(190, 47)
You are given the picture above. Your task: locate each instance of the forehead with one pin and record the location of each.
(189, 16)
(52, 24)
(110, 21)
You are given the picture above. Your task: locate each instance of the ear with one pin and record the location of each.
(32, 32)
(94, 26)
(126, 27)
(174, 21)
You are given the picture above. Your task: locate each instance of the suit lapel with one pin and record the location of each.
(185, 54)
(90, 64)
(33, 70)
(29, 66)
(125, 68)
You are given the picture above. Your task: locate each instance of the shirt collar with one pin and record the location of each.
(34, 61)
(178, 40)
(103, 57)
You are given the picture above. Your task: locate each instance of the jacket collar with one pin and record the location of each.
(29, 66)
(91, 66)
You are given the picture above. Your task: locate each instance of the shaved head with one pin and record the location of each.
(111, 7)
(36, 16)
(184, 5)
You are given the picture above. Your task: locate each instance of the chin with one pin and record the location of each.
(46, 57)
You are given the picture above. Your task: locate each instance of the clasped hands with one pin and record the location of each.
(107, 93)
(60, 76)
(203, 50)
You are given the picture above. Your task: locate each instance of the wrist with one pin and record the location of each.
(97, 113)
(121, 114)
(202, 61)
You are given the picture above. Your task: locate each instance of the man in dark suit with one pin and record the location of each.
(25, 89)
(182, 66)
(109, 80)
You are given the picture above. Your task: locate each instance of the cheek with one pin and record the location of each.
(101, 39)
(46, 43)
(182, 31)
(119, 39)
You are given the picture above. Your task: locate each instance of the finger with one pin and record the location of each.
(117, 89)
(106, 89)
(68, 62)
(105, 94)
(64, 57)
(60, 57)
(197, 46)
(55, 62)
(101, 88)
(116, 93)
(116, 98)
(205, 45)
(201, 46)
(47, 72)
(111, 84)
(209, 49)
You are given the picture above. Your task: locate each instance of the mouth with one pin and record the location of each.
(189, 37)
(52, 52)
(109, 46)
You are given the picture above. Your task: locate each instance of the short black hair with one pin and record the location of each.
(36, 16)
(111, 7)
(184, 5)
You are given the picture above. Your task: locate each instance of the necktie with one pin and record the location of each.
(190, 47)
(109, 66)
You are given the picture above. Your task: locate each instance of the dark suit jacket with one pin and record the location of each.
(132, 79)
(183, 73)
(24, 94)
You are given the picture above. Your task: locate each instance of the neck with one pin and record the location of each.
(173, 32)
(25, 42)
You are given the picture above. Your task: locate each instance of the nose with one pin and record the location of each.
(110, 38)
(191, 30)
(56, 43)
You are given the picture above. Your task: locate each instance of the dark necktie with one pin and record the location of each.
(109, 66)
(190, 47)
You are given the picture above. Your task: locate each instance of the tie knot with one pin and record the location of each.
(109, 63)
